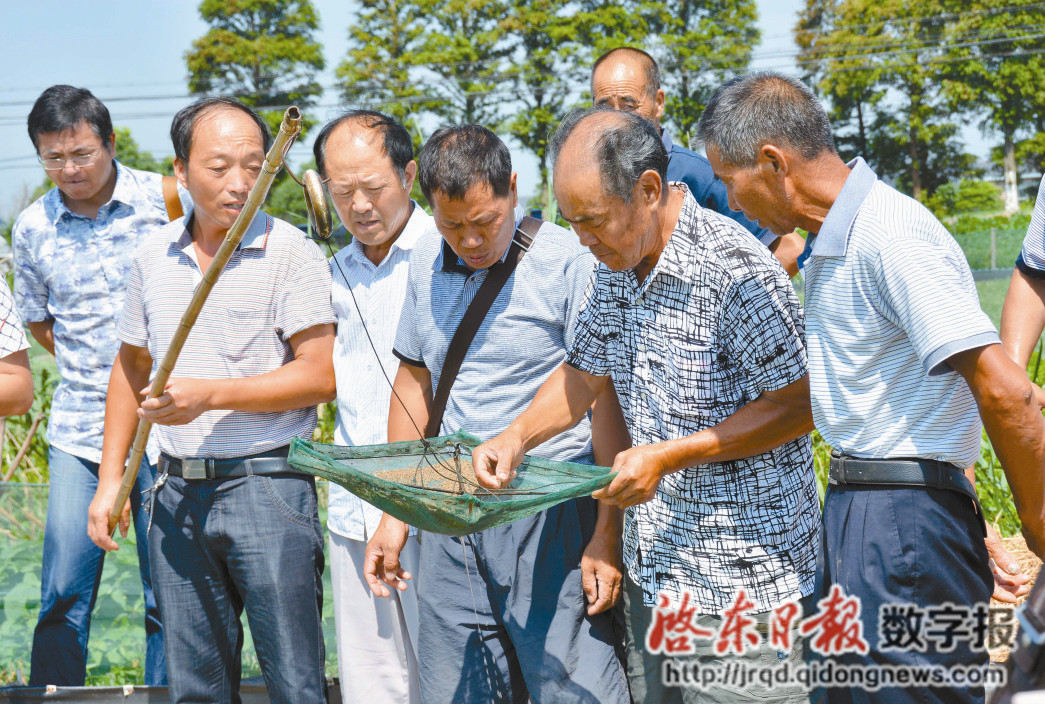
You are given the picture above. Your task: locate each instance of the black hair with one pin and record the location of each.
(61, 108)
(625, 146)
(185, 121)
(456, 158)
(397, 143)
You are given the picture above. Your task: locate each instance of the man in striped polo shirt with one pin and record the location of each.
(367, 160)
(900, 357)
(233, 527)
(520, 611)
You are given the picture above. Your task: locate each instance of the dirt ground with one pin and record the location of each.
(1031, 565)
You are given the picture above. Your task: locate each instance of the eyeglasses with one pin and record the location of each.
(58, 163)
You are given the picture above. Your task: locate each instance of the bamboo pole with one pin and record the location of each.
(24, 448)
(288, 131)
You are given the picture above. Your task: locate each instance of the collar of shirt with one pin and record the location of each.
(415, 226)
(125, 192)
(256, 236)
(665, 138)
(833, 237)
(669, 263)
(449, 261)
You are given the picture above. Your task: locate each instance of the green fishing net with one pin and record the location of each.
(433, 487)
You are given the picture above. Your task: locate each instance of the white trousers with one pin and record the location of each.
(376, 637)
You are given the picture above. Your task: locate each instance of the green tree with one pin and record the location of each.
(443, 58)
(938, 152)
(262, 51)
(851, 89)
(899, 47)
(543, 71)
(702, 44)
(602, 25)
(998, 68)
(464, 48)
(129, 153)
(965, 196)
(286, 200)
(1030, 152)
(378, 71)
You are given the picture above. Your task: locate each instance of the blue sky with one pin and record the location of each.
(125, 49)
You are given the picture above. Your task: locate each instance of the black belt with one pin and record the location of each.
(846, 470)
(269, 462)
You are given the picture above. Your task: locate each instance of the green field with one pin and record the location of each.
(117, 642)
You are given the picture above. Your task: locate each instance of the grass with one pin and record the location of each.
(977, 247)
(117, 640)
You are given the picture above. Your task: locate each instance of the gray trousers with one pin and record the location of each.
(376, 637)
(503, 616)
(645, 670)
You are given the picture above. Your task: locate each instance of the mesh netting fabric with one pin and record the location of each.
(435, 489)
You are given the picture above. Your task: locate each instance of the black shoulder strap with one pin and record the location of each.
(473, 317)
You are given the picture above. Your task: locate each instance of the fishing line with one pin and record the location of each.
(377, 356)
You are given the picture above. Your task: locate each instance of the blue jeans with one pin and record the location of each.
(220, 546)
(72, 570)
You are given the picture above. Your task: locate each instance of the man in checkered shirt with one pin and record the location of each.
(700, 331)
(16, 381)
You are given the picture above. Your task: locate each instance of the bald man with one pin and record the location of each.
(629, 80)
(367, 160)
(700, 333)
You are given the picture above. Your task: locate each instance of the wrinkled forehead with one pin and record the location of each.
(619, 76)
(355, 146)
(220, 127)
(578, 173)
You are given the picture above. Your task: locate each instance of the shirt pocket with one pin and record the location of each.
(245, 336)
(692, 371)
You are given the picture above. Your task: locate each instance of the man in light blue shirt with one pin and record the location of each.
(503, 613)
(73, 250)
(900, 359)
(366, 159)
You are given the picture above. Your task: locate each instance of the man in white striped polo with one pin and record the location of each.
(900, 357)
(232, 527)
(367, 161)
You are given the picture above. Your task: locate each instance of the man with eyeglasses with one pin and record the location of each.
(73, 249)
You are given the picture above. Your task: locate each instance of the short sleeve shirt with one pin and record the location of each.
(75, 269)
(364, 292)
(276, 284)
(889, 297)
(521, 341)
(1032, 257)
(715, 324)
(12, 335)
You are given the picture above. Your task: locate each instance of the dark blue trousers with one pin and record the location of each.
(916, 546)
(223, 546)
